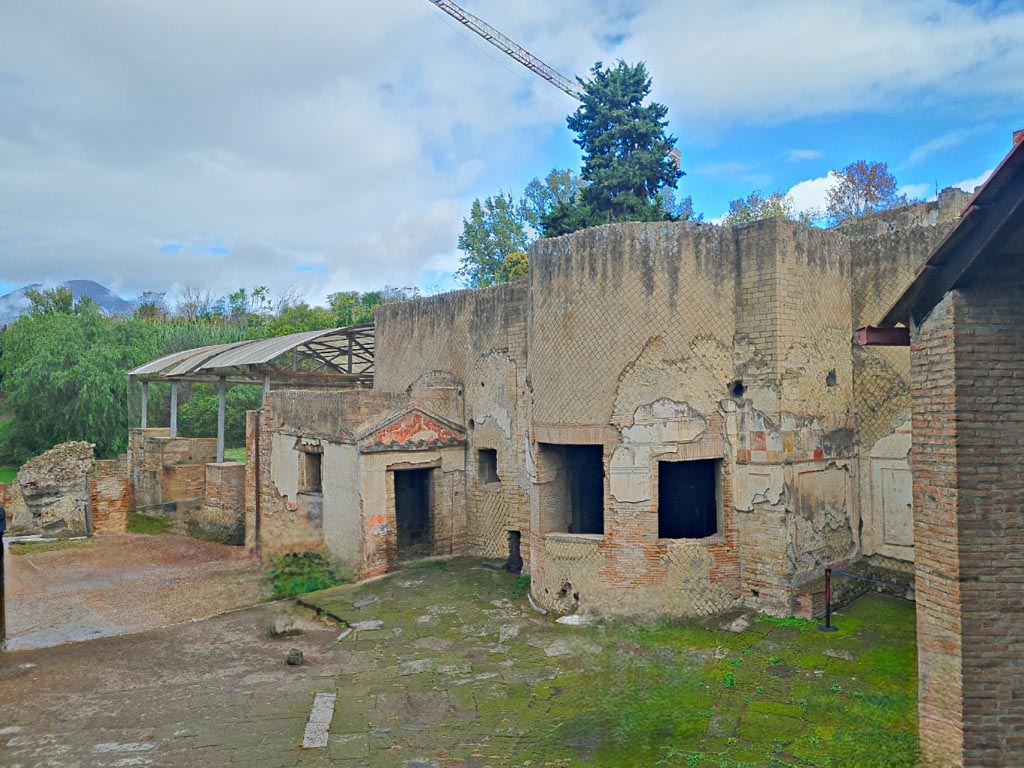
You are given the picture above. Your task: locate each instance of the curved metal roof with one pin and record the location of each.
(337, 352)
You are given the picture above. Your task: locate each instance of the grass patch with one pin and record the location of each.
(297, 573)
(140, 523)
(787, 621)
(35, 547)
(8, 474)
(235, 454)
(674, 693)
(520, 587)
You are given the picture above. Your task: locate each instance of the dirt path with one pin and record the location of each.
(119, 584)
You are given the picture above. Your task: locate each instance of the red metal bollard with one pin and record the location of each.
(827, 626)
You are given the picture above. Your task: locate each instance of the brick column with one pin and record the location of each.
(936, 541)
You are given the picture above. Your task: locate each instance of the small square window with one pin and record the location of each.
(687, 499)
(487, 466)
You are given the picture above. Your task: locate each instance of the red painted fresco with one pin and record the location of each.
(414, 428)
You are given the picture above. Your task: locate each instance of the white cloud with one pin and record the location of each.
(939, 144)
(799, 155)
(917, 191)
(779, 60)
(969, 185)
(333, 146)
(811, 195)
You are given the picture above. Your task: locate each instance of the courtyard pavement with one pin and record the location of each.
(116, 584)
(444, 664)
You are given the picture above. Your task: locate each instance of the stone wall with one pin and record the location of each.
(52, 492)
(221, 518)
(969, 531)
(282, 525)
(884, 263)
(472, 342)
(693, 342)
(111, 495)
(168, 473)
(380, 550)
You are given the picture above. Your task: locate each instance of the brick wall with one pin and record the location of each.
(969, 527)
(221, 518)
(168, 473)
(112, 497)
(473, 343)
(283, 526)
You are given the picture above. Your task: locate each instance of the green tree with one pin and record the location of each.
(198, 416)
(516, 265)
(626, 152)
(60, 301)
(861, 188)
(494, 229)
(540, 198)
(756, 207)
(64, 378)
(354, 308)
(296, 319)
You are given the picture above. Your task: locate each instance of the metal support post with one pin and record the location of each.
(174, 409)
(221, 408)
(3, 607)
(145, 403)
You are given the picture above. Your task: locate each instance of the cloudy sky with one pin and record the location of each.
(328, 146)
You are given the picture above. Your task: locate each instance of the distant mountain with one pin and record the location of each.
(14, 304)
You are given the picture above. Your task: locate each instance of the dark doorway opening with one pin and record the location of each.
(414, 503)
(514, 564)
(584, 466)
(687, 499)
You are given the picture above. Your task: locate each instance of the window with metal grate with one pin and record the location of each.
(687, 499)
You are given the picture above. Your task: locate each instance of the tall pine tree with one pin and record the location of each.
(626, 161)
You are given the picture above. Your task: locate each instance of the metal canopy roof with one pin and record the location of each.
(332, 356)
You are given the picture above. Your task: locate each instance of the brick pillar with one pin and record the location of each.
(936, 542)
(969, 522)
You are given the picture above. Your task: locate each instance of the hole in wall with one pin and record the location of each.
(736, 388)
(515, 559)
(830, 378)
(755, 593)
(472, 424)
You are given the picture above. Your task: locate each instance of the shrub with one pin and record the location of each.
(297, 573)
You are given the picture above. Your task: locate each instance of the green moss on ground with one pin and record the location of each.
(140, 523)
(8, 474)
(461, 672)
(35, 547)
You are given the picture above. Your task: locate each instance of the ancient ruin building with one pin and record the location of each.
(667, 417)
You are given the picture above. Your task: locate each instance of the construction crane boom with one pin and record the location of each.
(511, 48)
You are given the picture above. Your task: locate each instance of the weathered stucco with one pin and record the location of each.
(667, 342)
